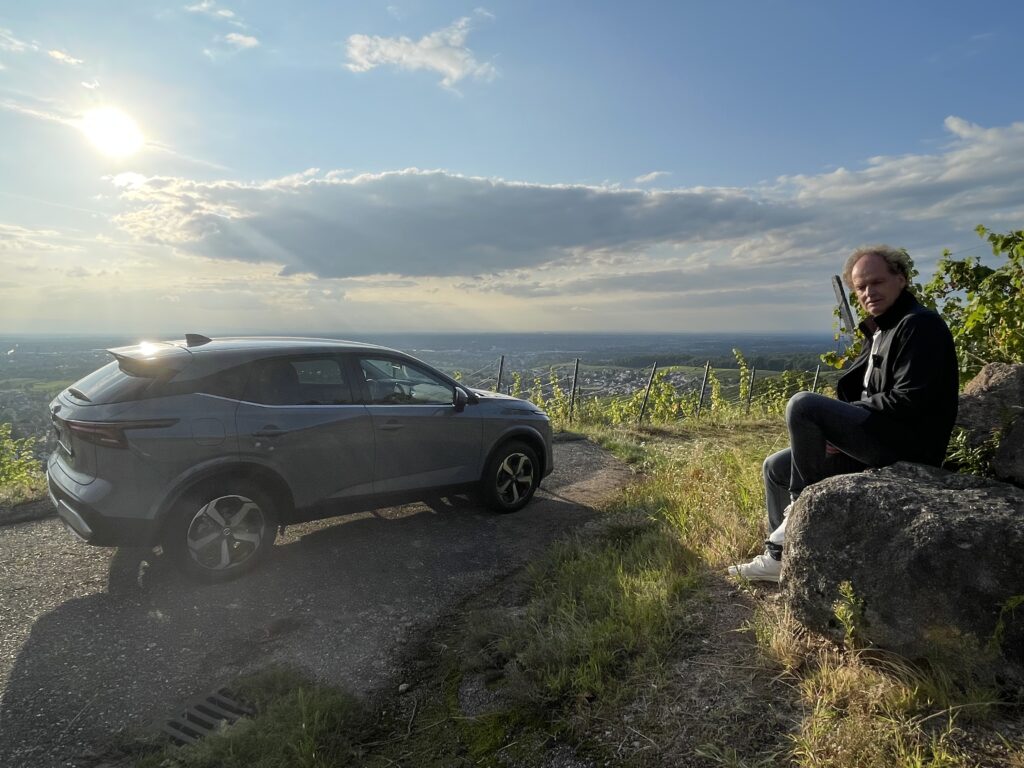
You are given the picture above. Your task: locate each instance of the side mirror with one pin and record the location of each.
(460, 400)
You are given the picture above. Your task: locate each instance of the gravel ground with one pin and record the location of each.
(94, 640)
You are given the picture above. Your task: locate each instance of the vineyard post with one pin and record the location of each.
(814, 384)
(572, 393)
(501, 370)
(647, 394)
(703, 386)
(750, 388)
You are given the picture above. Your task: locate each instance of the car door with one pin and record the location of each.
(422, 439)
(300, 416)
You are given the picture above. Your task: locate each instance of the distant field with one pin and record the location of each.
(46, 386)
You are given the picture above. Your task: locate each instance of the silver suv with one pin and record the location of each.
(207, 446)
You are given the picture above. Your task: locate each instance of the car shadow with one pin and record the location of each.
(336, 597)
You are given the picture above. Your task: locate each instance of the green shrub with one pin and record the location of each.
(982, 304)
(21, 477)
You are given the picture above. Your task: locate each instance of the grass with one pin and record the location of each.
(597, 612)
(628, 645)
(299, 724)
(33, 488)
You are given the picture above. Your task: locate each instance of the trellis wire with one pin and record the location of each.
(565, 376)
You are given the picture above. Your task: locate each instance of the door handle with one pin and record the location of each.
(391, 426)
(269, 431)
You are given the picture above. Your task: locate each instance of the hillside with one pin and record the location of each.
(628, 647)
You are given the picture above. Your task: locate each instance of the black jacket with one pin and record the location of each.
(914, 385)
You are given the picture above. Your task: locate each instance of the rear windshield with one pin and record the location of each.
(110, 384)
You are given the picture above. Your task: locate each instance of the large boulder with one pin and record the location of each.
(936, 558)
(992, 402)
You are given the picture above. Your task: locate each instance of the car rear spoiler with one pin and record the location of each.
(151, 359)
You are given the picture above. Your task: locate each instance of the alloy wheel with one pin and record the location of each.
(514, 478)
(225, 532)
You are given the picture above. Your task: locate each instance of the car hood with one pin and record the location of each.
(486, 394)
(506, 400)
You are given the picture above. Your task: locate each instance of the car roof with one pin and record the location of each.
(278, 344)
(207, 355)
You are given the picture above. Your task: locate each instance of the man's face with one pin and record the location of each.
(877, 288)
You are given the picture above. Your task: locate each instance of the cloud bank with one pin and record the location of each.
(419, 223)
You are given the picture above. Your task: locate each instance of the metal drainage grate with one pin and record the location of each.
(205, 715)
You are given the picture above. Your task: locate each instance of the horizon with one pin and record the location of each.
(501, 168)
(334, 335)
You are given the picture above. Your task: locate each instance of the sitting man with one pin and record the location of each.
(897, 402)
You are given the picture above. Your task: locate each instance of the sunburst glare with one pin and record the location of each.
(112, 132)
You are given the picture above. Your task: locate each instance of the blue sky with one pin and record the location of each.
(329, 167)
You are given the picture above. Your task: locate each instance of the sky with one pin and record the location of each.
(322, 167)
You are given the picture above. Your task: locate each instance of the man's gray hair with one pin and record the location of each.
(898, 259)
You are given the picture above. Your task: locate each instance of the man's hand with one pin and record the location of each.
(831, 450)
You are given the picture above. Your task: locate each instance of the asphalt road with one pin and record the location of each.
(94, 640)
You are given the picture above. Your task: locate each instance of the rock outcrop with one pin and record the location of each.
(993, 402)
(935, 557)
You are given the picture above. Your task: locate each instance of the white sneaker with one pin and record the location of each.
(761, 568)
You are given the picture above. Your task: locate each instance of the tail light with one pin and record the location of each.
(112, 433)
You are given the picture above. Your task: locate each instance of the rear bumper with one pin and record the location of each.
(86, 524)
(72, 520)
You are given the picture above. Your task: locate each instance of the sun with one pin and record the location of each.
(112, 132)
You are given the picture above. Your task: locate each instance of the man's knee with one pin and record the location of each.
(802, 405)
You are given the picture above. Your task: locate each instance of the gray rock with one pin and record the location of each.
(933, 555)
(992, 401)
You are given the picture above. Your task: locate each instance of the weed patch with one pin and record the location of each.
(298, 723)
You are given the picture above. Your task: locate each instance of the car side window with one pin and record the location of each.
(308, 381)
(398, 382)
(229, 383)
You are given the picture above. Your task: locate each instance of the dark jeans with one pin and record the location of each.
(814, 420)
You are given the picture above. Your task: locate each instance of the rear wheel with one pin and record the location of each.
(222, 530)
(511, 477)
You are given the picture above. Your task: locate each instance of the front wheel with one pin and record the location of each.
(511, 477)
(222, 530)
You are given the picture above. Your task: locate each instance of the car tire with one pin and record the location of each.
(221, 530)
(511, 477)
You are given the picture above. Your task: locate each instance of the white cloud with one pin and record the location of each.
(208, 8)
(647, 178)
(443, 52)
(91, 85)
(64, 58)
(241, 42)
(8, 42)
(230, 43)
(40, 111)
(21, 240)
(127, 179)
(978, 172)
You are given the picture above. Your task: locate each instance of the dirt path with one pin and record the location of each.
(93, 640)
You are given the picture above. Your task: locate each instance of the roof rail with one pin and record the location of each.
(196, 340)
